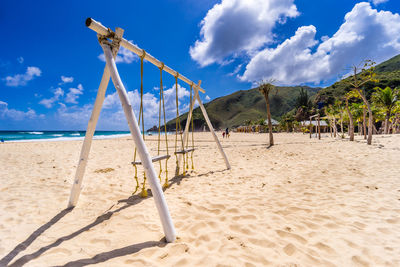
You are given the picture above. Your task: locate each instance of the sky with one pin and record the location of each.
(51, 64)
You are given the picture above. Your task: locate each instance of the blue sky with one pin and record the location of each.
(51, 64)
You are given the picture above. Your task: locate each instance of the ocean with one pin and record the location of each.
(19, 136)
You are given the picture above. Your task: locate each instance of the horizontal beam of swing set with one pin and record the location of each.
(107, 32)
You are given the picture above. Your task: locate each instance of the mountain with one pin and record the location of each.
(234, 109)
(237, 108)
(387, 73)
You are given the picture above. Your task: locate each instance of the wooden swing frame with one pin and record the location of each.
(110, 42)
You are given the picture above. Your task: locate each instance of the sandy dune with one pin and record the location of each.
(303, 201)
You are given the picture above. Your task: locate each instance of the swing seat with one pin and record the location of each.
(153, 159)
(184, 151)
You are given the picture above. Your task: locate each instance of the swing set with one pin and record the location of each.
(110, 42)
(161, 113)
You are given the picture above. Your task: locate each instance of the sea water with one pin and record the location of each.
(19, 136)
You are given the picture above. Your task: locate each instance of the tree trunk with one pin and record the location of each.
(364, 123)
(341, 126)
(370, 123)
(334, 128)
(271, 137)
(359, 129)
(387, 123)
(351, 125)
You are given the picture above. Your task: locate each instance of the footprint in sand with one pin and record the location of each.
(198, 226)
(242, 230)
(359, 261)
(106, 242)
(384, 230)
(245, 217)
(284, 234)
(262, 243)
(289, 249)
(234, 210)
(325, 248)
(60, 250)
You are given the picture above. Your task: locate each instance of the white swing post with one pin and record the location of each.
(204, 111)
(87, 142)
(141, 147)
(110, 52)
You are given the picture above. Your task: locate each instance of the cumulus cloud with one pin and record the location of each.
(114, 113)
(23, 79)
(123, 56)
(74, 116)
(365, 34)
(377, 2)
(73, 94)
(18, 115)
(65, 79)
(236, 26)
(48, 102)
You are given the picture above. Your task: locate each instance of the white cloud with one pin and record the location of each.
(123, 56)
(74, 116)
(236, 26)
(65, 79)
(207, 98)
(13, 114)
(377, 2)
(20, 60)
(73, 94)
(114, 113)
(48, 103)
(365, 34)
(236, 70)
(23, 79)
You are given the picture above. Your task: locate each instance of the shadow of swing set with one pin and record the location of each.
(110, 42)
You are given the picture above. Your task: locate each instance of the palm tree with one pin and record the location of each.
(386, 99)
(265, 88)
(303, 105)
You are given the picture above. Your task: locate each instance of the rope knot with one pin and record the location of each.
(143, 54)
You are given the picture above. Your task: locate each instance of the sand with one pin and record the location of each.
(302, 202)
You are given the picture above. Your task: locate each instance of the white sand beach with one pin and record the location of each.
(304, 202)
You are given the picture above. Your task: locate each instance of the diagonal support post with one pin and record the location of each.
(204, 111)
(144, 155)
(87, 142)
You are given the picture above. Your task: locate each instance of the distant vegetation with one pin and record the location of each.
(290, 105)
(245, 105)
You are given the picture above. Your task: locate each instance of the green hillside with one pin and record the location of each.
(237, 108)
(387, 73)
(234, 109)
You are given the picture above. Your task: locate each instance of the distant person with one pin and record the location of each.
(2, 140)
(223, 134)
(227, 132)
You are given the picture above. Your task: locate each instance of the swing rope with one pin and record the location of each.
(144, 191)
(141, 120)
(178, 128)
(165, 127)
(192, 103)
